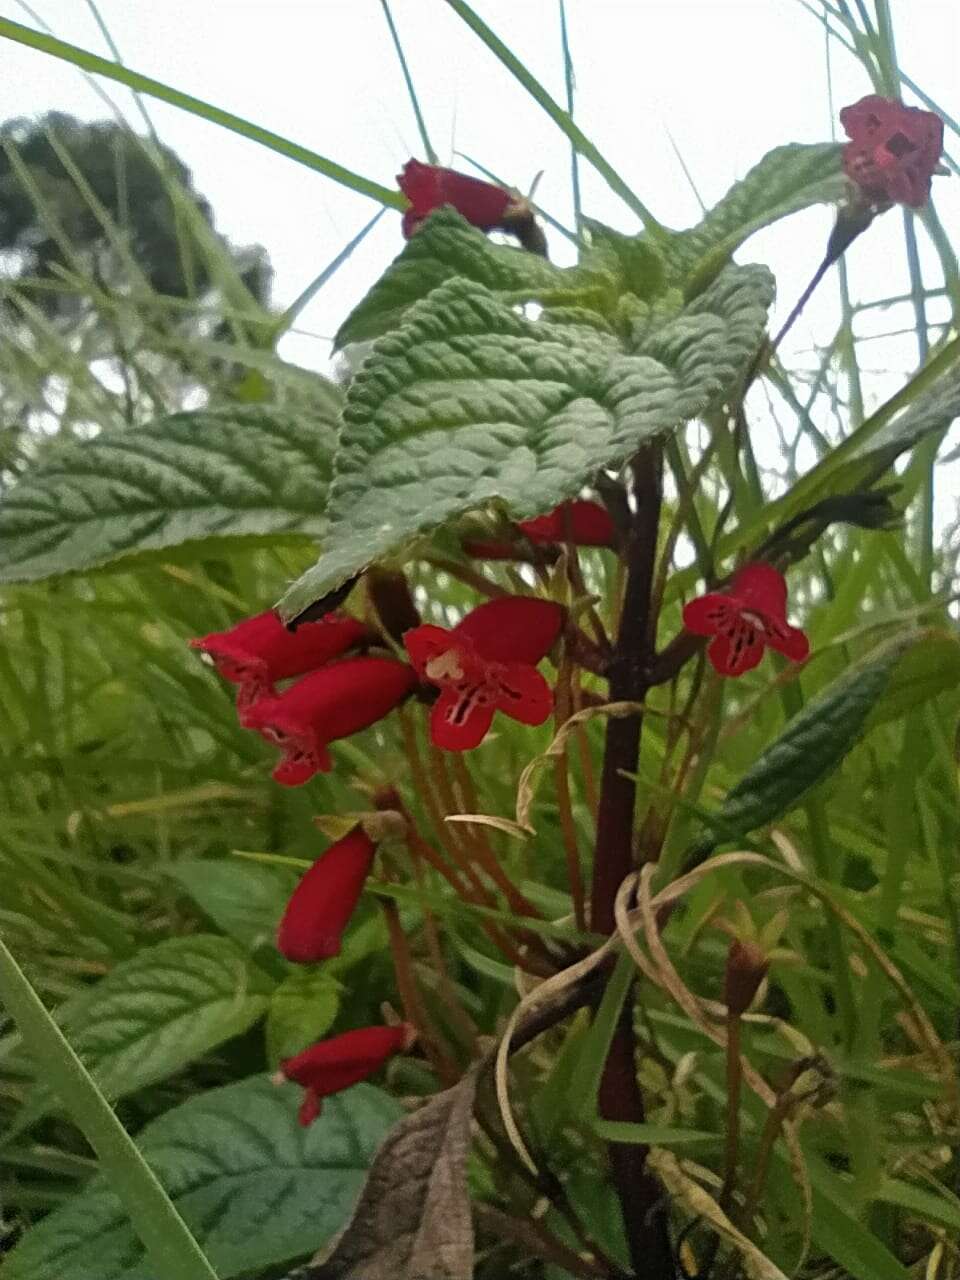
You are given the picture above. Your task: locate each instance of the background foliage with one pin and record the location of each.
(146, 856)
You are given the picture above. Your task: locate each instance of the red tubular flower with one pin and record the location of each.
(429, 187)
(334, 702)
(487, 663)
(752, 614)
(584, 523)
(893, 150)
(323, 902)
(333, 1065)
(258, 651)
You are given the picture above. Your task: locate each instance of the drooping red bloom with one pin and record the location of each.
(584, 523)
(750, 615)
(333, 1065)
(429, 187)
(334, 702)
(258, 651)
(487, 663)
(323, 902)
(893, 150)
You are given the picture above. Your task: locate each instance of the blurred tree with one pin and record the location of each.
(119, 299)
(77, 195)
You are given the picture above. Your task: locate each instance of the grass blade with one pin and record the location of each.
(196, 106)
(173, 1250)
(560, 117)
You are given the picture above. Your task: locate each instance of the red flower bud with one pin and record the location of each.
(485, 664)
(334, 702)
(743, 620)
(747, 967)
(323, 902)
(429, 187)
(335, 1064)
(581, 522)
(584, 523)
(893, 150)
(258, 651)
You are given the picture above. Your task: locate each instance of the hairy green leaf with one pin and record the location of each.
(302, 1009)
(445, 246)
(817, 739)
(787, 179)
(244, 899)
(932, 411)
(168, 1005)
(470, 403)
(255, 1187)
(188, 478)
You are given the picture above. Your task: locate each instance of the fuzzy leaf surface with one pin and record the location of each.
(445, 246)
(255, 1188)
(786, 180)
(816, 740)
(188, 478)
(166, 1006)
(470, 403)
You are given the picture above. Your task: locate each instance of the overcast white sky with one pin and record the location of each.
(728, 79)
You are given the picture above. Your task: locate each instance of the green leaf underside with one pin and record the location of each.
(162, 1009)
(255, 1187)
(470, 403)
(817, 739)
(191, 477)
(786, 180)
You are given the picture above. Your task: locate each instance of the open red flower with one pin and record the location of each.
(749, 616)
(487, 663)
(321, 905)
(334, 702)
(429, 187)
(893, 150)
(584, 523)
(258, 651)
(333, 1065)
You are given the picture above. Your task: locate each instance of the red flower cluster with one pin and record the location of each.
(745, 619)
(487, 663)
(893, 150)
(311, 930)
(259, 651)
(343, 1060)
(581, 522)
(331, 700)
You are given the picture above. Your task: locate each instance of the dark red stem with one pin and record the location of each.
(641, 1197)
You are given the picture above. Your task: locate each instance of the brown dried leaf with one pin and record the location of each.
(413, 1219)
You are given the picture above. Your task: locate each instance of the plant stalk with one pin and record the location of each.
(640, 1194)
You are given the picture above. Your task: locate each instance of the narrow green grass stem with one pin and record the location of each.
(91, 62)
(560, 117)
